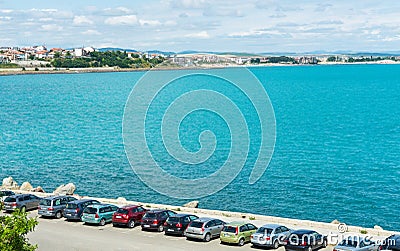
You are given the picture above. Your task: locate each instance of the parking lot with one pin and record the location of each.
(58, 234)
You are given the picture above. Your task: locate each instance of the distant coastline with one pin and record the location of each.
(47, 70)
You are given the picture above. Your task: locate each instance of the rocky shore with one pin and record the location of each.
(332, 228)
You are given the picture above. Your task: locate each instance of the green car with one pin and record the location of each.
(98, 213)
(237, 232)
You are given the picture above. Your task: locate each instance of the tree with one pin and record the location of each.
(13, 231)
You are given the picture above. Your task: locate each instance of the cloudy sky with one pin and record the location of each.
(177, 25)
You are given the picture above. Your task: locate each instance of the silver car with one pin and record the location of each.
(53, 206)
(21, 201)
(204, 229)
(356, 244)
(270, 235)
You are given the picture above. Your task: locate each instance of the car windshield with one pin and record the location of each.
(90, 210)
(173, 219)
(45, 202)
(150, 215)
(196, 224)
(264, 230)
(229, 229)
(122, 211)
(9, 199)
(349, 243)
(71, 206)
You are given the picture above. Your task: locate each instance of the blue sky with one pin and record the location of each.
(177, 25)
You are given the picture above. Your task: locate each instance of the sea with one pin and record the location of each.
(336, 155)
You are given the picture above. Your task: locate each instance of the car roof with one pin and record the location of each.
(204, 219)
(302, 231)
(272, 226)
(236, 223)
(158, 210)
(100, 205)
(53, 197)
(182, 215)
(129, 206)
(80, 201)
(19, 195)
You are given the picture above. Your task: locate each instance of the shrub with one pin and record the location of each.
(13, 231)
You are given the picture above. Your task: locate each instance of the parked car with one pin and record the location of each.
(178, 223)
(308, 240)
(98, 213)
(391, 243)
(4, 194)
(356, 244)
(237, 232)
(128, 216)
(154, 219)
(74, 209)
(53, 206)
(204, 229)
(21, 201)
(270, 235)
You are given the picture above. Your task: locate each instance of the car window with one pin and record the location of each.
(33, 197)
(192, 217)
(102, 210)
(140, 209)
(278, 230)
(71, 198)
(26, 197)
(64, 201)
(134, 210)
(170, 213)
(57, 202)
(251, 226)
(219, 222)
(113, 208)
(243, 228)
(186, 219)
(284, 229)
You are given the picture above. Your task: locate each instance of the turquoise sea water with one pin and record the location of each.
(337, 154)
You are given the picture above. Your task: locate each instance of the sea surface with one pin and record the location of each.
(337, 152)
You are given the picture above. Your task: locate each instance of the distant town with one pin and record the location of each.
(39, 58)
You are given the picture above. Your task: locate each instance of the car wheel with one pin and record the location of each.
(131, 224)
(207, 238)
(324, 244)
(241, 242)
(309, 249)
(160, 228)
(276, 244)
(102, 222)
(23, 209)
(58, 215)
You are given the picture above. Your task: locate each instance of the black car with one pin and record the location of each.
(391, 243)
(178, 223)
(155, 219)
(305, 240)
(74, 209)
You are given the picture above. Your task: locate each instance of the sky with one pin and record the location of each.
(252, 26)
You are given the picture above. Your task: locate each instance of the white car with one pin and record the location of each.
(4, 194)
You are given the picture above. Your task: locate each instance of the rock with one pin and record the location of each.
(376, 227)
(38, 189)
(192, 204)
(10, 183)
(67, 189)
(121, 200)
(335, 222)
(26, 186)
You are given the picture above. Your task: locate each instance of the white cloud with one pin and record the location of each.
(122, 20)
(45, 19)
(91, 32)
(6, 11)
(189, 4)
(79, 20)
(149, 22)
(124, 9)
(51, 27)
(202, 34)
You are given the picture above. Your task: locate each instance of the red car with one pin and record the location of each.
(128, 215)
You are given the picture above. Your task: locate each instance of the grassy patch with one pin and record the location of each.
(9, 65)
(252, 218)
(363, 231)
